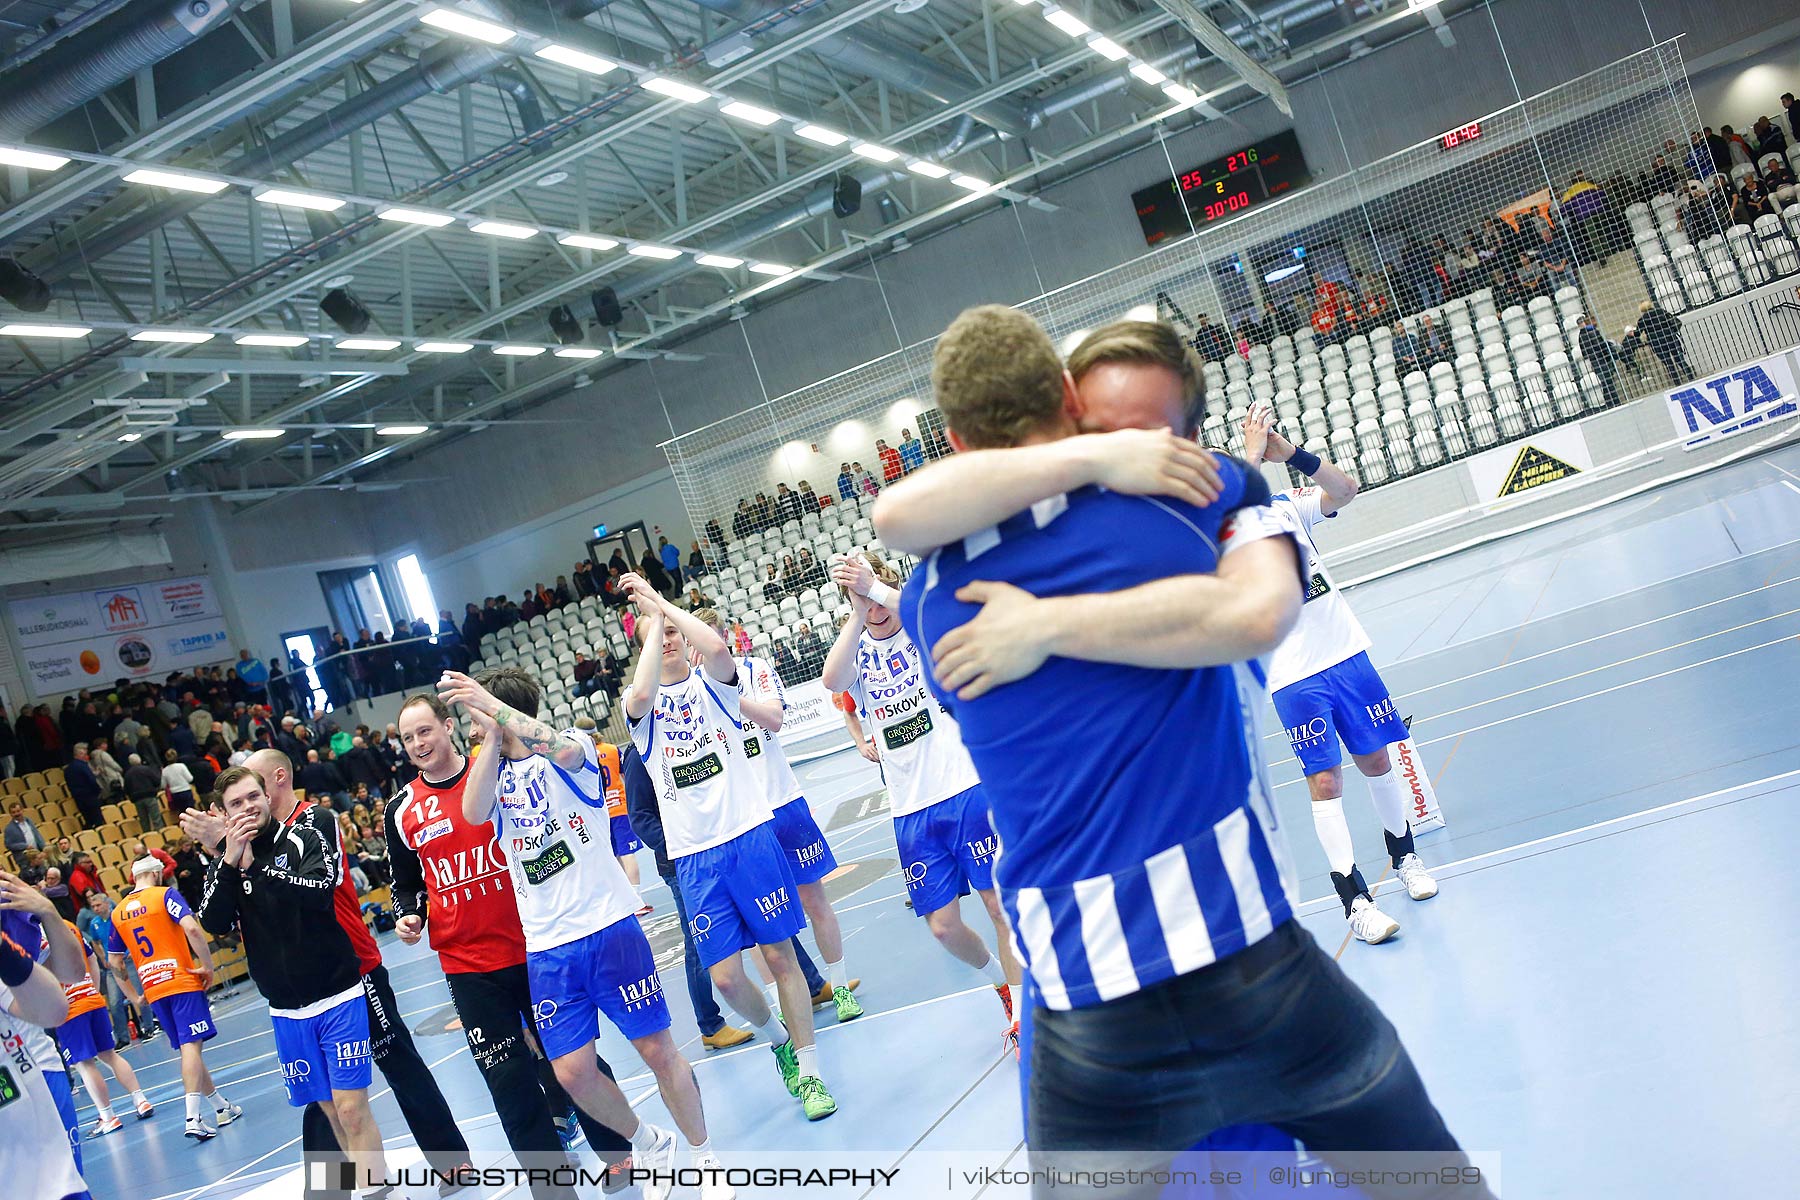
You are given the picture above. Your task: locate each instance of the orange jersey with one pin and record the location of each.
(85, 996)
(147, 926)
(612, 778)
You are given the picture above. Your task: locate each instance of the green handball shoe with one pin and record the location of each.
(788, 1059)
(816, 1099)
(847, 1007)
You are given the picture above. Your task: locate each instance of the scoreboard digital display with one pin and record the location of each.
(1460, 136)
(1221, 188)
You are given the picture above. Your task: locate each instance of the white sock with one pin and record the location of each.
(809, 1061)
(194, 1100)
(138, 1098)
(702, 1150)
(995, 973)
(219, 1103)
(644, 1136)
(835, 972)
(773, 1030)
(1334, 834)
(1391, 801)
(104, 1110)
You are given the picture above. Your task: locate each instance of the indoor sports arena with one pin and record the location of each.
(898, 599)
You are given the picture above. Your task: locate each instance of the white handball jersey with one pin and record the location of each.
(553, 826)
(34, 1147)
(692, 743)
(1327, 632)
(764, 759)
(921, 745)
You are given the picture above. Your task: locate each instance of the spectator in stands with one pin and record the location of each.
(1750, 203)
(361, 765)
(696, 563)
(37, 865)
(22, 833)
(1416, 267)
(810, 650)
(790, 575)
(772, 587)
(56, 892)
(1434, 348)
(1661, 331)
(190, 871)
(583, 580)
(1405, 349)
(178, 781)
(787, 504)
(670, 556)
(764, 509)
(612, 591)
(1699, 163)
(1793, 114)
(584, 672)
(562, 592)
(1601, 358)
(716, 536)
(743, 522)
(1769, 138)
(1530, 276)
(912, 452)
(740, 638)
(809, 499)
(85, 787)
(697, 599)
(865, 482)
(317, 778)
(786, 665)
(1737, 149)
(143, 786)
(106, 769)
(1779, 182)
(658, 578)
(889, 458)
(1664, 179)
(812, 571)
(846, 482)
(141, 849)
(529, 608)
(60, 854)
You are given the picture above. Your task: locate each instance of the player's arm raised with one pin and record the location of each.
(839, 671)
(715, 655)
(37, 996)
(482, 788)
(646, 678)
(1264, 443)
(456, 688)
(970, 491)
(63, 953)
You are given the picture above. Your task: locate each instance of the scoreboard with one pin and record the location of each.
(1222, 188)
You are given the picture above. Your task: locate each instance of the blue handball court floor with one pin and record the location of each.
(1606, 993)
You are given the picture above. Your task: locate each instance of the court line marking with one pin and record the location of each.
(1324, 903)
(1589, 696)
(1505, 663)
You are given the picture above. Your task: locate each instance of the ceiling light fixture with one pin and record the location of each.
(580, 60)
(176, 180)
(286, 340)
(45, 331)
(874, 153)
(186, 337)
(578, 352)
(821, 135)
(647, 250)
(771, 268)
(929, 170)
(1067, 21)
(443, 347)
(754, 114)
(35, 160)
(291, 199)
(1148, 73)
(416, 216)
(1184, 96)
(251, 435)
(130, 437)
(515, 351)
(687, 93)
(368, 343)
(461, 23)
(1107, 48)
(722, 261)
(971, 183)
(503, 229)
(589, 241)
(401, 430)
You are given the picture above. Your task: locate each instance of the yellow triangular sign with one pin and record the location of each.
(1534, 468)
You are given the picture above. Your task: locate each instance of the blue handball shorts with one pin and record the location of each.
(609, 971)
(185, 1017)
(739, 894)
(946, 850)
(624, 840)
(87, 1036)
(326, 1052)
(1347, 701)
(809, 855)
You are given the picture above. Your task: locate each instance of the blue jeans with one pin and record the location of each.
(700, 989)
(1274, 1035)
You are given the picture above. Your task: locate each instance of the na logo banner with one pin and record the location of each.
(1733, 401)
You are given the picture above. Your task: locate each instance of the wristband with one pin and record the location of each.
(1304, 461)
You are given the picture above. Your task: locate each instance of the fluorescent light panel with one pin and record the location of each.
(504, 229)
(416, 216)
(971, 183)
(25, 329)
(466, 26)
(401, 430)
(752, 113)
(176, 180)
(1107, 48)
(821, 135)
(646, 250)
(723, 261)
(519, 351)
(1067, 21)
(874, 153)
(251, 435)
(368, 343)
(674, 89)
(580, 60)
(186, 337)
(36, 160)
(929, 170)
(589, 241)
(577, 352)
(130, 437)
(288, 340)
(771, 268)
(300, 199)
(444, 347)
(1182, 95)
(1148, 73)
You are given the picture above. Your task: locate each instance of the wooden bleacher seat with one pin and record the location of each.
(112, 879)
(34, 779)
(68, 826)
(55, 776)
(111, 855)
(11, 787)
(111, 814)
(130, 827)
(89, 840)
(153, 839)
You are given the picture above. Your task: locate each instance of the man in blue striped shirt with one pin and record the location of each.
(1146, 879)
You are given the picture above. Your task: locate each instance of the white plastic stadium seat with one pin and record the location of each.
(1720, 265)
(1746, 249)
(1450, 423)
(1417, 386)
(1373, 466)
(1534, 392)
(1482, 429)
(1343, 444)
(1365, 405)
(1398, 431)
(1593, 395)
(1468, 368)
(1281, 350)
(1391, 398)
(1426, 446)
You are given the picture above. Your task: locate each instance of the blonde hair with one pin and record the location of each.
(1145, 344)
(996, 376)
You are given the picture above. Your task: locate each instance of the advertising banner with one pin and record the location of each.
(82, 639)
